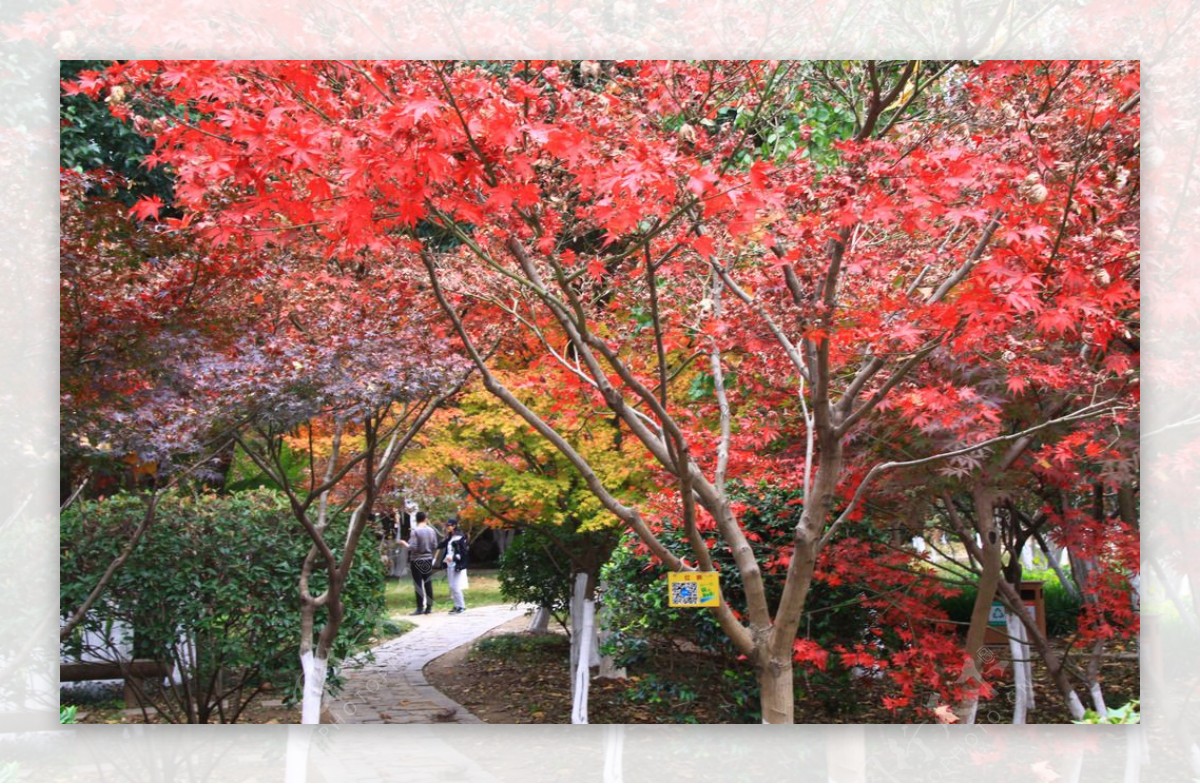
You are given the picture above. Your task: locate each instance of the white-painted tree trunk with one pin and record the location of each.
(1018, 646)
(583, 622)
(577, 593)
(503, 539)
(594, 641)
(1135, 753)
(539, 623)
(316, 671)
(579, 703)
(1054, 556)
(614, 752)
(296, 754)
(1097, 694)
(969, 710)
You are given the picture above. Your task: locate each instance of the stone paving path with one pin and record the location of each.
(393, 690)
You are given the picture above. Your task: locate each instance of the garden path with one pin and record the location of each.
(393, 690)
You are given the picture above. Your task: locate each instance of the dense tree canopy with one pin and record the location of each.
(836, 276)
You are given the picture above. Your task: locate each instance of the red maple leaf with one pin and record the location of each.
(146, 208)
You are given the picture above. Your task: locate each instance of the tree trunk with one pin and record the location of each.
(1054, 556)
(582, 637)
(775, 685)
(576, 614)
(1093, 678)
(296, 754)
(316, 671)
(1021, 666)
(614, 752)
(503, 538)
(539, 623)
(313, 670)
(1042, 645)
(989, 577)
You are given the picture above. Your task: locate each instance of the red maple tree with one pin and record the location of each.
(751, 265)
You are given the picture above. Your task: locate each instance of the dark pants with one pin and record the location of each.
(422, 575)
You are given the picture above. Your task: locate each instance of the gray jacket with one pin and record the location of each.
(422, 543)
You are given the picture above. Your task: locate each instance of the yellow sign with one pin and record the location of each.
(693, 589)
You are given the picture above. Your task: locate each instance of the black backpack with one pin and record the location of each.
(462, 551)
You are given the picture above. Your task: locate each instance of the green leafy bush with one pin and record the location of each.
(210, 590)
(537, 569)
(509, 645)
(1126, 714)
(1062, 609)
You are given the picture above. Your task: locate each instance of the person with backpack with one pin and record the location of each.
(456, 549)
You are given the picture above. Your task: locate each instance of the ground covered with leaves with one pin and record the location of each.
(514, 677)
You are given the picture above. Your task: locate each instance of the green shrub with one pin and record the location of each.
(539, 567)
(1062, 609)
(506, 646)
(1126, 714)
(211, 590)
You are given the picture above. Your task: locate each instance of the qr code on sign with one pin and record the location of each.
(685, 593)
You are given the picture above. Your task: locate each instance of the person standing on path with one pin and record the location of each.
(455, 548)
(422, 544)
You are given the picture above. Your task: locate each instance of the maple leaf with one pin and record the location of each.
(420, 108)
(945, 714)
(1118, 363)
(567, 143)
(701, 179)
(146, 208)
(1056, 321)
(806, 651)
(705, 246)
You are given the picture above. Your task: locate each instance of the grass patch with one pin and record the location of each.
(483, 589)
(390, 628)
(507, 645)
